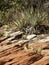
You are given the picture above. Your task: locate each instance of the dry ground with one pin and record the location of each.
(14, 54)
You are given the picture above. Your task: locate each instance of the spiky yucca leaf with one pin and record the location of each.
(30, 18)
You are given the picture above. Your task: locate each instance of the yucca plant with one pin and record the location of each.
(41, 17)
(22, 22)
(30, 18)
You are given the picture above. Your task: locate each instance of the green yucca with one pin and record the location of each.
(30, 18)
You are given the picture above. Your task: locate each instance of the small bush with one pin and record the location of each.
(22, 13)
(31, 19)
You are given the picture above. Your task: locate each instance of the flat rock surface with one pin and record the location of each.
(14, 54)
(15, 51)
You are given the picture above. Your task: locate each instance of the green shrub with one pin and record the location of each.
(22, 12)
(30, 18)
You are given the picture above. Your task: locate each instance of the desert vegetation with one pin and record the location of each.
(21, 13)
(24, 32)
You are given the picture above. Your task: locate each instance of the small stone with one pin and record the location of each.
(31, 36)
